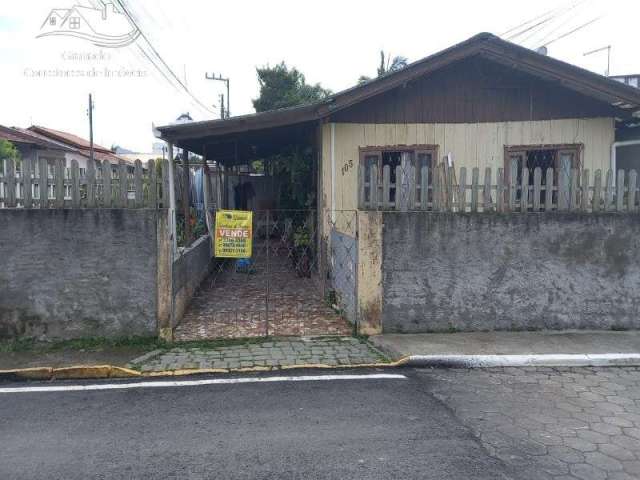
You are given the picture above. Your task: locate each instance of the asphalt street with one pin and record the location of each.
(501, 423)
(338, 429)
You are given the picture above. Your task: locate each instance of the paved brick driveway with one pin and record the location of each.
(550, 423)
(234, 304)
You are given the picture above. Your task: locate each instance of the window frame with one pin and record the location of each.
(378, 151)
(576, 149)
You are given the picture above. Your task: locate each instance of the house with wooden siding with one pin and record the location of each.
(484, 107)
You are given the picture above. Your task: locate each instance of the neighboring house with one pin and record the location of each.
(631, 80)
(79, 149)
(33, 148)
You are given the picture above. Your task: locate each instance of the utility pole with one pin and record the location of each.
(220, 78)
(91, 129)
(602, 49)
(222, 105)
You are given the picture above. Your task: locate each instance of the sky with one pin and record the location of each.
(46, 81)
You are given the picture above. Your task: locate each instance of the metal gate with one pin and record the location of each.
(300, 281)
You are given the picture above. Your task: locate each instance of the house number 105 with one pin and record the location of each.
(347, 166)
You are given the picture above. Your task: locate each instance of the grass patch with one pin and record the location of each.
(100, 343)
(86, 344)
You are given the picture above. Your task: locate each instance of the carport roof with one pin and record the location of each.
(624, 98)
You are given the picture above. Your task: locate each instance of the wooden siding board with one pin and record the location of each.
(469, 93)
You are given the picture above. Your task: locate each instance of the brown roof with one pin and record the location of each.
(81, 145)
(67, 138)
(19, 136)
(624, 98)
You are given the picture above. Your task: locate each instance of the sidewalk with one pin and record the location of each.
(492, 349)
(268, 355)
(158, 359)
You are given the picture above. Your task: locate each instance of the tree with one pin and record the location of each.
(282, 87)
(387, 65)
(8, 150)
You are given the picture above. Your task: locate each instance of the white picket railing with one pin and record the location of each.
(440, 190)
(100, 185)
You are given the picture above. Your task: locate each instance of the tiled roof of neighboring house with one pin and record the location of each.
(80, 144)
(17, 135)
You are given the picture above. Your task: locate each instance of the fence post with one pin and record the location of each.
(362, 201)
(631, 195)
(386, 187)
(584, 191)
(573, 189)
(91, 183)
(537, 182)
(107, 194)
(548, 190)
(137, 182)
(424, 188)
(152, 199)
(43, 182)
(486, 194)
(597, 190)
(563, 190)
(620, 191)
(512, 186)
(435, 189)
(500, 190)
(524, 191)
(27, 181)
(10, 185)
(608, 196)
(59, 182)
(412, 189)
(462, 191)
(398, 185)
(123, 177)
(451, 186)
(75, 184)
(475, 180)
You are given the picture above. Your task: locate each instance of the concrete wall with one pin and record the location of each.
(500, 272)
(78, 273)
(189, 270)
(472, 145)
(370, 272)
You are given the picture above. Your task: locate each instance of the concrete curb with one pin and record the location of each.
(532, 360)
(85, 372)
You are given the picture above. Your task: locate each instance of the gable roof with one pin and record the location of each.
(79, 144)
(19, 136)
(624, 98)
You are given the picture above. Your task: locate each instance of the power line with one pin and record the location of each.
(540, 19)
(561, 24)
(556, 17)
(571, 32)
(524, 24)
(155, 52)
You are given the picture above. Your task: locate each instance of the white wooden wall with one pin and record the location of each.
(471, 145)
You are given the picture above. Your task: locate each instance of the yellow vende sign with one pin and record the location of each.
(233, 234)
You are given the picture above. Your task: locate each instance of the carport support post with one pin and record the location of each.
(172, 200)
(186, 177)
